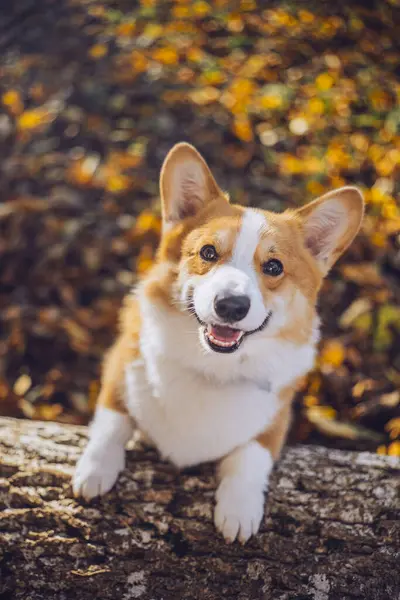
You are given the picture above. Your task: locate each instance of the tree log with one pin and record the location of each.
(331, 528)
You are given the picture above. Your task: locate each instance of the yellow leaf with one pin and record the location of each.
(48, 412)
(117, 183)
(181, 12)
(333, 354)
(377, 196)
(394, 449)
(243, 129)
(315, 188)
(313, 165)
(138, 61)
(235, 23)
(12, 99)
(32, 119)
(327, 412)
(152, 31)
(385, 167)
(324, 82)
(213, 77)
(253, 66)
(362, 386)
(147, 221)
(126, 29)
(306, 16)
(22, 385)
(200, 8)
(359, 141)
(166, 55)
(242, 88)
(195, 55)
(382, 450)
(310, 400)
(80, 173)
(291, 165)
(390, 210)
(316, 106)
(98, 51)
(378, 239)
(393, 427)
(271, 101)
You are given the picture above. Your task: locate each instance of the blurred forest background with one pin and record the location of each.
(286, 100)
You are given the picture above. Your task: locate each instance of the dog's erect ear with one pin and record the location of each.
(186, 184)
(330, 223)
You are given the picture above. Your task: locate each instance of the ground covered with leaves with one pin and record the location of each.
(285, 102)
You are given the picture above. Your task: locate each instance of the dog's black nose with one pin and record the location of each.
(232, 308)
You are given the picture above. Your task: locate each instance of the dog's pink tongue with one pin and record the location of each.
(225, 334)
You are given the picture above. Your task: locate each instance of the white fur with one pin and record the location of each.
(193, 418)
(254, 224)
(104, 456)
(240, 495)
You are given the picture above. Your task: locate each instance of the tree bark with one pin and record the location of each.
(331, 528)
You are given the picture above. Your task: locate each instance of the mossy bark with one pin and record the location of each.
(331, 528)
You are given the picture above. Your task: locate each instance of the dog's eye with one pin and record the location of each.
(209, 253)
(273, 267)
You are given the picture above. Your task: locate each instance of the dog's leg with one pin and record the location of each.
(240, 495)
(244, 476)
(104, 456)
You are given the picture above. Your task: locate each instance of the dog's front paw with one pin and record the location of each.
(96, 473)
(239, 509)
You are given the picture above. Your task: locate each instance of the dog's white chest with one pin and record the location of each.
(191, 419)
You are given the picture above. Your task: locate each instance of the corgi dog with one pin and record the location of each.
(216, 336)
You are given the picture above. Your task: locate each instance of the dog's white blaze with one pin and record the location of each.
(237, 276)
(253, 225)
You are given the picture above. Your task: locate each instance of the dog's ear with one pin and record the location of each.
(186, 184)
(330, 223)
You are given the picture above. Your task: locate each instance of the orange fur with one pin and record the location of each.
(124, 350)
(273, 438)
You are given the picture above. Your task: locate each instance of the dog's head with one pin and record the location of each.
(246, 273)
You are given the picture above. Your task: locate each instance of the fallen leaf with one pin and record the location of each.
(357, 308)
(363, 274)
(22, 385)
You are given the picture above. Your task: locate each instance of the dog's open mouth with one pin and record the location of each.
(223, 339)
